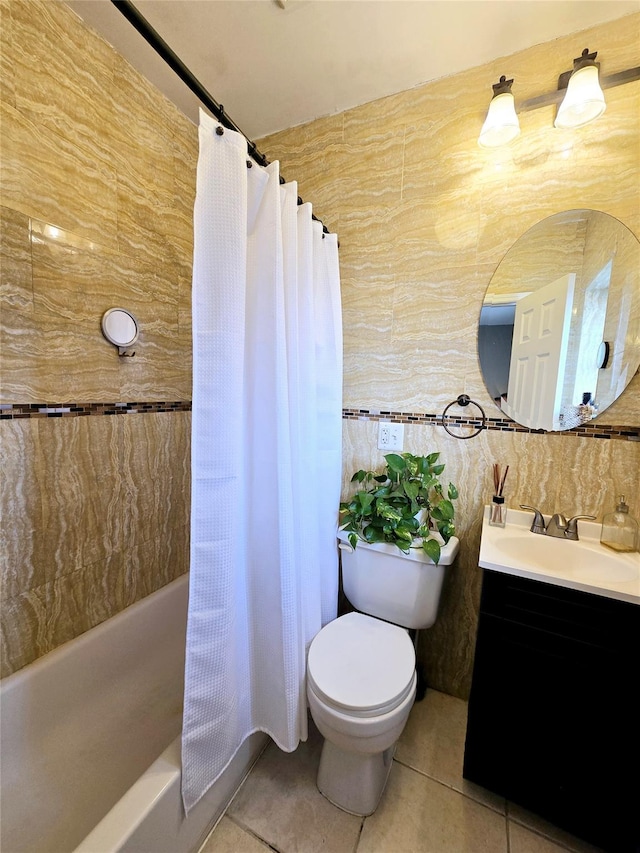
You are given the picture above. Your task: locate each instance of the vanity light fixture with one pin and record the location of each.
(501, 124)
(584, 99)
(579, 93)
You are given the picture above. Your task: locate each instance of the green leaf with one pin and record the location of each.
(453, 492)
(446, 529)
(437, 470)
(404, 533)
(387, 511)
(432, 549)
(365, 499)
(411, 490)
(383, 492)
(443, 511)
(373, 534)
(396, 463)
(353, 540)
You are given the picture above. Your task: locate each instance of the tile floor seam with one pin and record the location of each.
(541, 834)
(253, 834)
(548, 838)
(357, 844)
(451, 787)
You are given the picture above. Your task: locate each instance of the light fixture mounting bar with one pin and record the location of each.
(609, 82)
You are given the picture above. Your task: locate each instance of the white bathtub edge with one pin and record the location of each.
(149, 818)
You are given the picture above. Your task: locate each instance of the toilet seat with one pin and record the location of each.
(361, 666)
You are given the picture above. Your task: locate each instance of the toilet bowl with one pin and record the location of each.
(361, 668)
(361, 685)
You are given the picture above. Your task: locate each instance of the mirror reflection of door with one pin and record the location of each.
(603, 353)
(539, 354)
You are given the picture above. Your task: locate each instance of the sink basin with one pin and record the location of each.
(561, 555)
(585, 564)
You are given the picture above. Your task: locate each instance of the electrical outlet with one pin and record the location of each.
(390, 436)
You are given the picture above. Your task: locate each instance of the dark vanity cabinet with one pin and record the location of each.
(554, 711)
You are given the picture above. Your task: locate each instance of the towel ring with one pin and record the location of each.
(464, 400)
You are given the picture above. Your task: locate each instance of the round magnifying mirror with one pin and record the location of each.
(120, 327)
(569, 283)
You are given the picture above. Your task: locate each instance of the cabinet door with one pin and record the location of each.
(553, 713)
(486, 754)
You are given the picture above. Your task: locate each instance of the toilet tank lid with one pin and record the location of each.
(448, 552)
(360, 663)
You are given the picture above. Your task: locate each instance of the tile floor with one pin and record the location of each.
(427, 807)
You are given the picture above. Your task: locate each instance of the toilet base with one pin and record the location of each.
(354, 781)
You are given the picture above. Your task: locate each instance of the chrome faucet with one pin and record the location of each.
(558, 526)
(563, 529)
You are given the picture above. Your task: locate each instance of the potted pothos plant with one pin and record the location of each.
(404, 504)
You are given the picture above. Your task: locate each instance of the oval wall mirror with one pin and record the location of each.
(559, 332)
(120, 327)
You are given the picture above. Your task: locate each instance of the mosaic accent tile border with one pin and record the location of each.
(625, 433)
(13, 411)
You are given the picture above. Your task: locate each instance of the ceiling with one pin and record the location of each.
(275, 67)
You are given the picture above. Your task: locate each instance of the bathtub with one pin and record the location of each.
(91, 741)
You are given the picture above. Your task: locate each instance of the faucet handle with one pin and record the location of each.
(572, 526)
(537, 526)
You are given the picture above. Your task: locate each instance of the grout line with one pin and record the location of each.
(357, 844)
(504, 814)
(451, 787)
(563, 845)
(254, 834)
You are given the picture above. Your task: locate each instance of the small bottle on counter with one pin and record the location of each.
(497, 512)
(620, 529)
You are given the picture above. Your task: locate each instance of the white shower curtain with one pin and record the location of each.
(266, 456)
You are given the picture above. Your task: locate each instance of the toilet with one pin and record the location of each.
(361, 668)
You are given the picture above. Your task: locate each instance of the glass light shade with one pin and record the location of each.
(501, 124)
(584, 100)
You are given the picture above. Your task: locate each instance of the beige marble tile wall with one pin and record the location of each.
(424, 217)
(98, 180)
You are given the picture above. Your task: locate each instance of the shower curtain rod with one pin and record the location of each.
(126, 8)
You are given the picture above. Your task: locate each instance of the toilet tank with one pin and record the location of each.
(401, 588)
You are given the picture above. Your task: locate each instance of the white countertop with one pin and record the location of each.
(585, 565)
